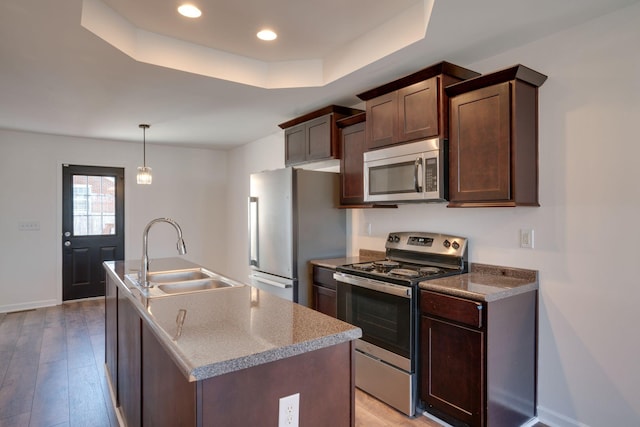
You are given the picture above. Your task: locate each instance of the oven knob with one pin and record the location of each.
(390, 239)
(455, 245)
(396, 239)
(447, 243)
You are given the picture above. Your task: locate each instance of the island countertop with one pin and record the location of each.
(485, 283)
(230, 329)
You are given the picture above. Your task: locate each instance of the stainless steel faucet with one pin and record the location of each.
(182, 249)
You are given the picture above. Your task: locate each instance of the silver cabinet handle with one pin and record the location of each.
(67, 243)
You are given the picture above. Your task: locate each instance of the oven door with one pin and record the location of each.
(408, 172)
(384, 313)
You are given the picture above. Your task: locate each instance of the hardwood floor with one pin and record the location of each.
(52, 367)
(52, 372)
(370, 412)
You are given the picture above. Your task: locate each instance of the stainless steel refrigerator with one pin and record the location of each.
(293, 218)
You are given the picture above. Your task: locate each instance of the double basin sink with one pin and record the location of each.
(184, 281)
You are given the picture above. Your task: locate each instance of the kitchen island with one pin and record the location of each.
(235, 353)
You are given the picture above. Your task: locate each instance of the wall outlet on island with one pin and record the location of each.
(289, 411)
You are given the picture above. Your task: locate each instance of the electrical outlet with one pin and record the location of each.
(526, 238)
(289, 411)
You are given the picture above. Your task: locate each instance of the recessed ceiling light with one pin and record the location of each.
(266, 35)
(189, 10)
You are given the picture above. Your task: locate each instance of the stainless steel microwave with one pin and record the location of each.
(413, 172)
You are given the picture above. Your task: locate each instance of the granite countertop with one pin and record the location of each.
(363, 256)
(229, 329)
(485, 283)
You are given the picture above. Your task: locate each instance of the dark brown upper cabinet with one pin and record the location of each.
(493, 145)
(411, 108)
(314, 136)
(352, 138)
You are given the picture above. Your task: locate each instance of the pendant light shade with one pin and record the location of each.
(144, 172)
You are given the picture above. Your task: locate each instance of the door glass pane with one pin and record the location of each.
(94, 205)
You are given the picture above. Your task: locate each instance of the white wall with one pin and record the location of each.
(586, 231)
(189, 185)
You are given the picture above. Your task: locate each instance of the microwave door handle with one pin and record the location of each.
(416, 175)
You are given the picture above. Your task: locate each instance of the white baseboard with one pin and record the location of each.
(27, 306)
(529, 423)
(555, 419)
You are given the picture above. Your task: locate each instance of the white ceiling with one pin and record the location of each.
(98, 71)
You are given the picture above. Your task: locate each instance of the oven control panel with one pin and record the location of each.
(425, 242)
(419, 241)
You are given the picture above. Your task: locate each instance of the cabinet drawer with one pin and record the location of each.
(457, 309)
(324, 277)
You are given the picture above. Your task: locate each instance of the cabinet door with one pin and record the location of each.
(324, 300)
(418, 110)
(319, 138)
(480, 150)
(129, 362)
(295, 144)
(111, 333)
(382, 121)
(452, 364)
(352, 179)
(169, 398)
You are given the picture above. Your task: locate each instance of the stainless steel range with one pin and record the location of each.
(381, 298)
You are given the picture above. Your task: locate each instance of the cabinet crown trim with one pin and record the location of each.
(443, 67)
(344, 111)
(352, 120)
(516, 72)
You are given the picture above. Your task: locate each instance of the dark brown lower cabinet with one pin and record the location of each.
(452, 375)
(250, 397)
(129, 386)
(168, 398)
(478, 359)
(324, 290)
(111, 332)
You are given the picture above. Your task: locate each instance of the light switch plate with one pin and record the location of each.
(526, 238)
(29, 225)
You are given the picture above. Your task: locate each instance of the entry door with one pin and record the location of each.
(92, 227)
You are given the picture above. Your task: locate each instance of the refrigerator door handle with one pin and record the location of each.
(253, 232)
(270, 282)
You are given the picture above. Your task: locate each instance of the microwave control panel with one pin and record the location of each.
(431, 175)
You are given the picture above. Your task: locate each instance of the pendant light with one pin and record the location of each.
(144, 173)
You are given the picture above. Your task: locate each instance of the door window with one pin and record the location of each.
(94, 205)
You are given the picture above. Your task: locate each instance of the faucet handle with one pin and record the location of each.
(182, 248)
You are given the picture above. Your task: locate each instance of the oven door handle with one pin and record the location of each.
(375, 285)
